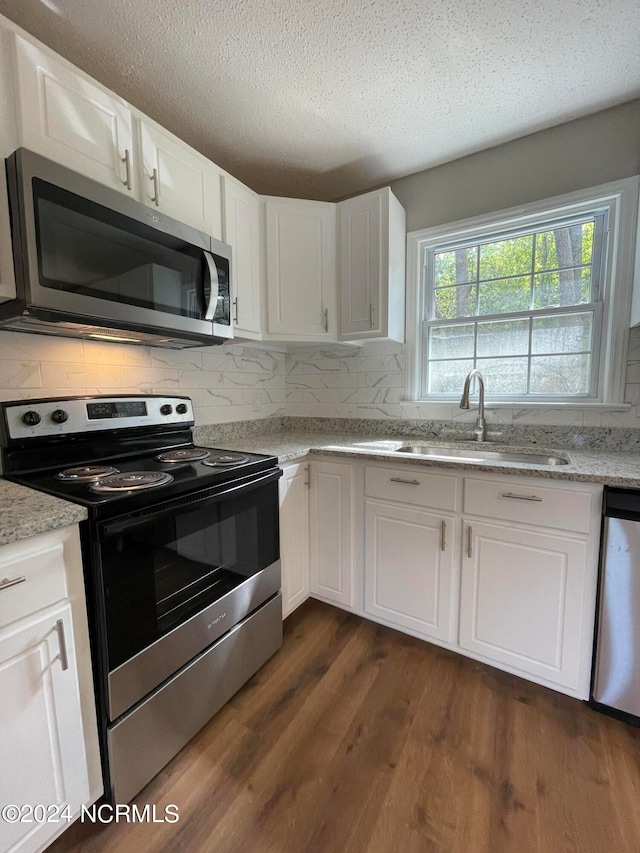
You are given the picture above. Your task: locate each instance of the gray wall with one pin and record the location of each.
(582, 153)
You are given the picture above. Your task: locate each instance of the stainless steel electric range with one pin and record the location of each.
(181, 563)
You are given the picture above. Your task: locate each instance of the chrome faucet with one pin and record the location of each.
(480, 430)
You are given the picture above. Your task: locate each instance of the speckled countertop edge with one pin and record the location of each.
(25, 512)
(613, 468)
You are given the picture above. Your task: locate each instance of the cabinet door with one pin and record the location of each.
(301, 269)
(179, 181)
(8, 143)
(294, 536)
(372, 261)
(409, 568)
(242, 233)
(41, 735)
(522, 600)
(63, 115)
(331, 529)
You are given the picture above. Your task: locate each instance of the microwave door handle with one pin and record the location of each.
(211, 273)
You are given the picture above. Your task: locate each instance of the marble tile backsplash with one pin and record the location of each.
(233, 382)
(369, 382)
(243, 382)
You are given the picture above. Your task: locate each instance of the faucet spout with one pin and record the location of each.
(481, 425)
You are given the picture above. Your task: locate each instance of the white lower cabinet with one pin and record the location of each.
(523, 598)
(331, 532)
(48, 731)
(409, 568)
(41, 734)
(294, 535)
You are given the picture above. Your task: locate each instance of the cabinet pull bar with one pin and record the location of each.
(5, 583)
(64, 658)
(521, 497)
(156, 188)
(469, 535)
(127, 168)
(307, 482)
(405, 482)
(371, 309)
(235, 310)
(325, 315)
(443, 535)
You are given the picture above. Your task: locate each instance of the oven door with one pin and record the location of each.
(176, 578)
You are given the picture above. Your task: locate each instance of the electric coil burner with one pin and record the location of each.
(86, 474)
(131, 481)
(181, 569)
(187, 454)
(222, 459)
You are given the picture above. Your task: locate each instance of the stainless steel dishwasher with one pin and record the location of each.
(616, 665)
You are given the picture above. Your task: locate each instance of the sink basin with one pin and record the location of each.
(481, 455)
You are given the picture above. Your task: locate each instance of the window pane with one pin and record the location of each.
(562, 333)
(455, 267)
(560, 374)
(447, 377)
(454, 302)
(503, 337)
(451, 341)
(504, 375)
(506, 258)
(560, 289)
(564, 247)
(502, 297)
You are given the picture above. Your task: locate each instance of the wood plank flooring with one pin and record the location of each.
(357, 738)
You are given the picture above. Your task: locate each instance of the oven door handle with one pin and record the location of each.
(211, 277)
(110, 528)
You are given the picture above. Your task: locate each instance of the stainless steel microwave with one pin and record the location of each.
(93, 263)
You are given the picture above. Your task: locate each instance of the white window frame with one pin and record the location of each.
(619, 201)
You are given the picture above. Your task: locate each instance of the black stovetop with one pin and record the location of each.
(188, 477)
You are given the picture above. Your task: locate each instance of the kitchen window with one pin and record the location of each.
(537, 299)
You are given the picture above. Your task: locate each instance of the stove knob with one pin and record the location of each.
(182, 408)
(166, 409)
(31, 418)
(59, 416)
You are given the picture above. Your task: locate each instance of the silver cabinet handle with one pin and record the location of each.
(325, 322)
(62, 642)
(156, 188)
(5, 583)
(443, 535)
(405, 482)
(521, 497)
(307, 482)
(469, 535)
(127, 168)
(235, 310)
(371, 309)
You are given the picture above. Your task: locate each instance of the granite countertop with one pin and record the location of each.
(613, 468)
(25, 512)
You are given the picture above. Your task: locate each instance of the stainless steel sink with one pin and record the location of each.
(481, 455)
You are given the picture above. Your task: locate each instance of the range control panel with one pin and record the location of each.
(66, 416)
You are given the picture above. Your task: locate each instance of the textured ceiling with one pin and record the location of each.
(324, 98)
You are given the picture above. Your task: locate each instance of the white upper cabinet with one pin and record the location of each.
(65, 116)
(301, 274)
(241, 231)
(8, 143)
(177, 180)
(372, 267)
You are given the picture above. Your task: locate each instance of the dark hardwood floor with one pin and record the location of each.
(357, 738)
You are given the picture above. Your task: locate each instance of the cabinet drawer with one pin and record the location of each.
(530, 503)
(42, 566)
(413, 486)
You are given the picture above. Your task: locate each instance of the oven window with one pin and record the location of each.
(161, 569)
(87, 249)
